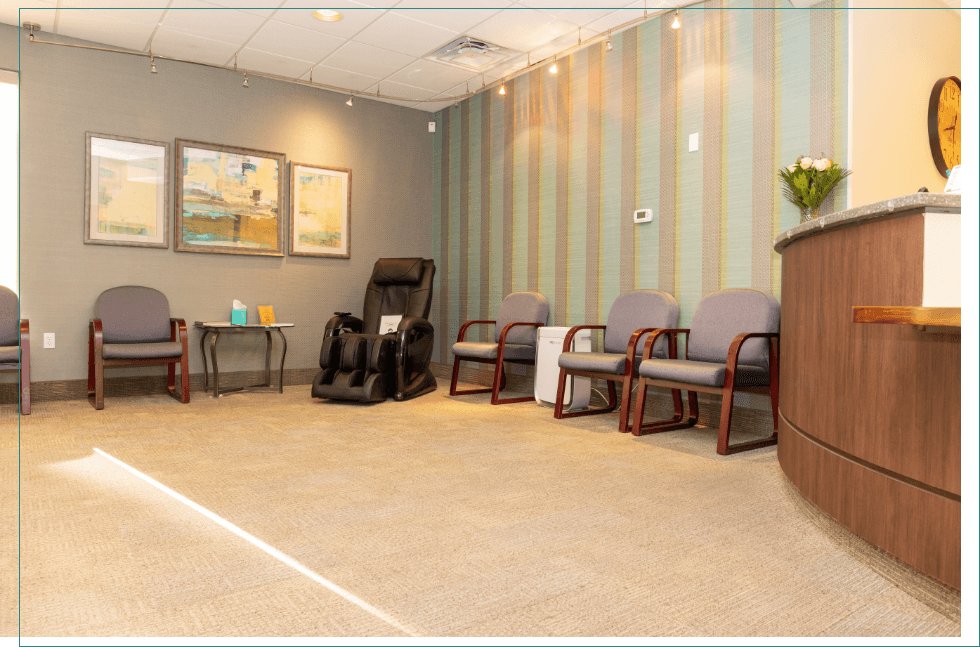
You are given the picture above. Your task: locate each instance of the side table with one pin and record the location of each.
(216, 328)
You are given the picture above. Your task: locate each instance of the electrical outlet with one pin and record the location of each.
(49, 340)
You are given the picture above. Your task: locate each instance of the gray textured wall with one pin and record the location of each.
(66, 92)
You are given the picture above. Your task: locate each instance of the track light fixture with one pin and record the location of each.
(609, 46)
(350, 101)
(677, 21)
(153, 65)
(245, 84)
(32, 26)
(554, 67)
(502, 90)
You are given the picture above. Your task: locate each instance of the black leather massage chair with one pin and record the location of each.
(361, 363)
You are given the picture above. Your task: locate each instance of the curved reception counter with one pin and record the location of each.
(869, 387)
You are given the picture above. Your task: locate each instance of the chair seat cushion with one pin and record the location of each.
(143, 351)
(701, 373)
(488, 350)
(9, 353)
(614, 363)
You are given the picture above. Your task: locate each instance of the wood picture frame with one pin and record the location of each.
(121, 206)
(229, 200)
(319, 211)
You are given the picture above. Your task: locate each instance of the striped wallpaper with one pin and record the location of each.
(535, 190)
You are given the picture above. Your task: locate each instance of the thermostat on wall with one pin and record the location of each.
(432, 126)
(643, 215)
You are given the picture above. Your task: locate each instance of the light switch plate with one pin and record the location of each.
(692, 143)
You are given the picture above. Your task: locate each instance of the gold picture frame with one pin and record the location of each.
(229, 199)
(320, 211)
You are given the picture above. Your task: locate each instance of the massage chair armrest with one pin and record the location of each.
(336, 324)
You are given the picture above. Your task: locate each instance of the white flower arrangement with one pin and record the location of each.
(807, 182)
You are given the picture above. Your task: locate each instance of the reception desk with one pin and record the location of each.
(869, 387)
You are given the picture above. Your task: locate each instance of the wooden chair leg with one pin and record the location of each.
(624, 411)
(611, 388)
(692, 408)
(498, 373)
(560, 396)
(99, 384)
(659, 426)
(452, 383)
(25, 383)
(172, 378)
(724, 427)
(185, 380)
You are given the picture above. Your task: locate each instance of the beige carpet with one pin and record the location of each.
(440, 516)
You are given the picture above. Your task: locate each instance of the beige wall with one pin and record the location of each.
(897, 56)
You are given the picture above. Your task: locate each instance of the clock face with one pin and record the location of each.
(944, 124)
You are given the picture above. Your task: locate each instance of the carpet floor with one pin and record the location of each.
(434, 517)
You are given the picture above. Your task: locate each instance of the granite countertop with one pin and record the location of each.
(934, 202)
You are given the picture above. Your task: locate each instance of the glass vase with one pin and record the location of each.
(809, 213)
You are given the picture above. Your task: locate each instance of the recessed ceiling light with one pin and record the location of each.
(327, 15)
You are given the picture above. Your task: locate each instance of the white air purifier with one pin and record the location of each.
(577, 389)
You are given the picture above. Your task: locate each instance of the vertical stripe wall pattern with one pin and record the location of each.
(535, 189)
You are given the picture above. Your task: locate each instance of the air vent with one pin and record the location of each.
(471, 54)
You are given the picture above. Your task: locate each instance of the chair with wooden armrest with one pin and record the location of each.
(631, 318)
(133, 327)
(721, 357)
(515, 340)
(15, 345)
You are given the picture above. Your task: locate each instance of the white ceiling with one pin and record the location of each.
(376, 42)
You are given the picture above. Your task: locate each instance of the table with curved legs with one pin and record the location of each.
(215, 329)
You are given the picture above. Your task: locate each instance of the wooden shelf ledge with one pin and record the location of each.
(909, 315)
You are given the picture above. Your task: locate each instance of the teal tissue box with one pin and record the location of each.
(238, 317)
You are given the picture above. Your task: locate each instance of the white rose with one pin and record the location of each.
(806, 163)
(791, 168)
(821, 165)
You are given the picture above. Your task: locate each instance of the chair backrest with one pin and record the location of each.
(635, 310)
(398, 286)
(133, 314)
(521, 306)
(9, 317)
(723, 315)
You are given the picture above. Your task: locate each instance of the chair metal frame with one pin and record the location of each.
(499, 379)
(611, 379)
(726, 391)
(23, 367)
(97, 364)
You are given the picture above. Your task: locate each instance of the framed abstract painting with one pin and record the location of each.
(127, 191)
(229, 200)
(319, 223)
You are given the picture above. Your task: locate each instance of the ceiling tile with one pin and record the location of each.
(263, 8)
(522, 29)
(560, 44)
(208, 21)
(119, 9)
(402, 91)
(253, 59)
(342, 78)
(433, 106)
(193, 48)
(365, 59)
(617, 18)
(406, 35)
(505, 68)
(430, 75)
(102, 28)
(580, 12)
(448, 14)
(294, 42)
(43, 14)
(355, 16)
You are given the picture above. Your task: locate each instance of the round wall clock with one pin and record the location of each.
(944, 124)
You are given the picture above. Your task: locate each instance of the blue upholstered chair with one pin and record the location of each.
(15, 345)
(631, 318)
(732, 345)
(133, 327)
(514, 340)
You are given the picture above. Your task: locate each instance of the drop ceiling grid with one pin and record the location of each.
(276, 36)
